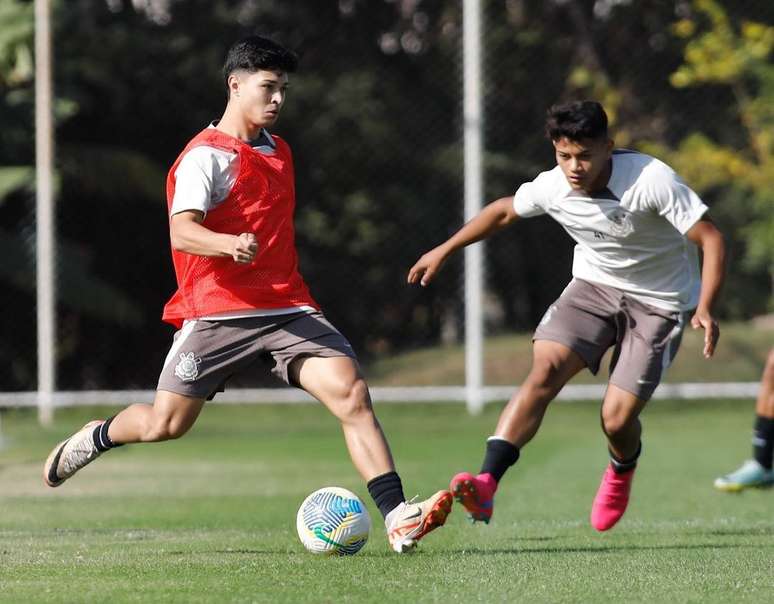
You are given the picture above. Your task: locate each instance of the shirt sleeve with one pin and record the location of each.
(532, 198)
(675, 200)
(202, 180)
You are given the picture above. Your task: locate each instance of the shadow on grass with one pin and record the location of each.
(537, 538)
(275, 552)
(241, 552)
(600, 550)
(762, 531)
(490, 552)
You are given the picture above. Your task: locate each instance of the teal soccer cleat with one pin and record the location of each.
(750, 475)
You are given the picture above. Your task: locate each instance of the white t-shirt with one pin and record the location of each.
(631, 235)
(203, 179)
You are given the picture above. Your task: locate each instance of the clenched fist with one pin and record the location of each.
(244, 248)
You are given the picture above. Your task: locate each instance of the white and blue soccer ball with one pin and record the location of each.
(333, 521)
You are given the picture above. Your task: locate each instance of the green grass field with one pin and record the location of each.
(211, 517)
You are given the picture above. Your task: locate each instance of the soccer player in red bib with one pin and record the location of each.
(636, 282)
(241, 298)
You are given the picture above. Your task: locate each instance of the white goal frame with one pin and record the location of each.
(381, 394)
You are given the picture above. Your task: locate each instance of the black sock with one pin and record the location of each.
(101, 439)
(500, 455)
(763, 441)
(624, 465)
(386, 491)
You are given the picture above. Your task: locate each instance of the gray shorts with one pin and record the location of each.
(589, 318)
(205, 354)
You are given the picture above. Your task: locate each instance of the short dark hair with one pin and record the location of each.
(255, 53)
(576, 121)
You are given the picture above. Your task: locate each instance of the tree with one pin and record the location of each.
(735, 171)
(373, 118)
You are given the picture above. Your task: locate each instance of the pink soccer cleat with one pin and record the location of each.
(612, 498)
(476, 494)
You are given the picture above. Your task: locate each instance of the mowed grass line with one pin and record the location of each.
(211, 517)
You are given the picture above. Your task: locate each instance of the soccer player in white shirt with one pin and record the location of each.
(636, 278)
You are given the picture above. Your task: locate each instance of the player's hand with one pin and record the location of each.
(703, 319)
(244, 248)
(427, 266)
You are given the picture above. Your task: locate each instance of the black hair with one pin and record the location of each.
(576, 121)
(255, 53)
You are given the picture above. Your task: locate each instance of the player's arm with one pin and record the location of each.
(190, 236)
(707, 236)
(495, 216)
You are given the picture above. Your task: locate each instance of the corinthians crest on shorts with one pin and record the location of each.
(188, 367)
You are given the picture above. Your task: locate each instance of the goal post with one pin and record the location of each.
(45, 240)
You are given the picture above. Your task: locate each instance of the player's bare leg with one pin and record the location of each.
(620, 423)
(764, 405)
(339, 385)
(757, 472)
(553, 365)
(170, 416)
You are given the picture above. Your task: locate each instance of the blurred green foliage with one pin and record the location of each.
(737, 172)
(718, 54)
(374, 120)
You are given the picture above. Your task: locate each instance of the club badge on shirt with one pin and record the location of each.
(621, 222)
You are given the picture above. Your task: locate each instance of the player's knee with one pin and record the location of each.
(544, 381)
(166, 427)
(616, 421)
(353, 401)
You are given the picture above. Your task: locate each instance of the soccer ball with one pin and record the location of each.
(333, 521)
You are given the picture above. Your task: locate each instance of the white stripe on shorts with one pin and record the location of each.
(670, 350)
(185, 331)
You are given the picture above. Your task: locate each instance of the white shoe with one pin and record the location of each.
(409, 522)
(71, 455)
